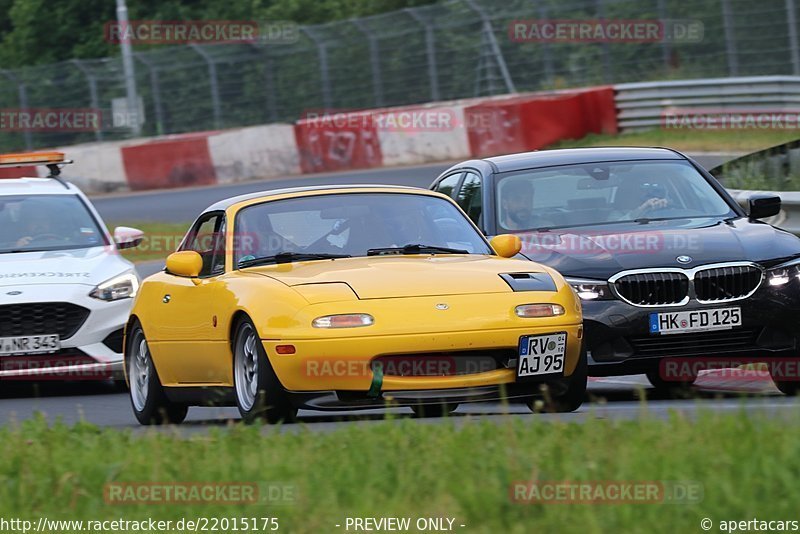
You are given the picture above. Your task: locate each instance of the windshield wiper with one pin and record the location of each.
(415, 249)
(288, 257)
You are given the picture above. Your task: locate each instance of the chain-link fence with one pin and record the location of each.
(449, 50)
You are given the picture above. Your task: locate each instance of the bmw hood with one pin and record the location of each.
(600, 253)
(376, 277)
(89, 267)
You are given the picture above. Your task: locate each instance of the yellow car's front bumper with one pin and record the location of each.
(346, 363)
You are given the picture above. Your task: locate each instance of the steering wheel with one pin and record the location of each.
(46, 236)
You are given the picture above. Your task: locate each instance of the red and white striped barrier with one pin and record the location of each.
(333, 141)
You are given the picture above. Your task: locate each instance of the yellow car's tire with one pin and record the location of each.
(148, 400)
(571, 399)
(434, 410)
(259, 394)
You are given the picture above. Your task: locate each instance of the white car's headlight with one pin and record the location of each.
(123, 286)
(590, 289)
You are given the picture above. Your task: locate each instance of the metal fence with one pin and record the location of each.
(449, 50)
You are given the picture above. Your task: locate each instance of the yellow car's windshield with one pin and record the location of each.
(353, 224)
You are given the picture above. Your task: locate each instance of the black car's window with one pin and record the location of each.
(207, 238)
(469, 197)
(352, 224)
(594, 194)
(447, 185)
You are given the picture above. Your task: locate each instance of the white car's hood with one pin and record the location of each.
(89, 266)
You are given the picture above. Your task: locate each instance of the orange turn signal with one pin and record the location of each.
(539, 310)
(348, 320)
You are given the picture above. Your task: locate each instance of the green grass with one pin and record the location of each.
(747, 467)
(161, 239)
(691, 140)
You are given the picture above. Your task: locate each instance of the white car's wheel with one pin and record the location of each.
(150, 404)
(259, 393)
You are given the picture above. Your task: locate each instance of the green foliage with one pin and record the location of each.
(36, 32)
(745, 462)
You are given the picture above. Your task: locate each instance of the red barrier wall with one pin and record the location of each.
(173, 162)
(18, 172)
(347, 141)
(533, 122)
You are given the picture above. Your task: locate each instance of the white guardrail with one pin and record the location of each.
(641, 106)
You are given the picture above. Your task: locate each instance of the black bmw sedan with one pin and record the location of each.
(674, 276)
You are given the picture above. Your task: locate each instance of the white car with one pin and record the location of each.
(65, 291)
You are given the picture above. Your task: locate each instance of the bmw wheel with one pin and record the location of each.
(150, 404)
(672, 388)
(259, 393)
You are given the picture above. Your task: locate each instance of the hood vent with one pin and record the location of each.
(529, 281)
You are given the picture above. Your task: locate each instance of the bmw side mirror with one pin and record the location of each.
(763, 205)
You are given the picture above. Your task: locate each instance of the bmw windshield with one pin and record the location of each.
(596, 194)
(45, 223)
(353, 224)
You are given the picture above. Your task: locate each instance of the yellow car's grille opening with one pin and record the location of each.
(445, 363)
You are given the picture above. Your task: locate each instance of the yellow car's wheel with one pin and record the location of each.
(150, 404)
(571, 399)
(259, 393)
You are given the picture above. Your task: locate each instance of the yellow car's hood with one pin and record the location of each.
(378, 277)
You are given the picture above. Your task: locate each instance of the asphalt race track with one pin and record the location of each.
(620, 397)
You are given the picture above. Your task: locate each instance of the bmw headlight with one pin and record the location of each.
(591, 289)
(123, 286)
(782, 274)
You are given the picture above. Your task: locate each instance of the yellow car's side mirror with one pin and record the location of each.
(506, 245)
(185, 263)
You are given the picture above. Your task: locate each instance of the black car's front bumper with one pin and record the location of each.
(619, 341)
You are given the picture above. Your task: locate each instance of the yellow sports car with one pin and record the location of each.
(349, 297)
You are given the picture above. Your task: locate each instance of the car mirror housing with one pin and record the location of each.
(506, 245)
(185, 263)
(763, 205)
(125, 237)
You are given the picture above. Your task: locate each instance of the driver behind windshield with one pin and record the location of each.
(654, 198)
(516, 207)
(36, 224)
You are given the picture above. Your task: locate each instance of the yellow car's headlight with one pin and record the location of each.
(346, 320)
(539, 310)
